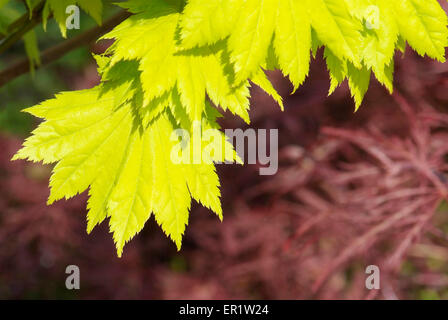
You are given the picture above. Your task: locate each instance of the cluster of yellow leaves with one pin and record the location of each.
(359, 36)
(170, 59)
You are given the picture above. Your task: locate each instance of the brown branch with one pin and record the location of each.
(58, 51)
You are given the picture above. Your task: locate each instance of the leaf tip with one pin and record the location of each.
(178, 244)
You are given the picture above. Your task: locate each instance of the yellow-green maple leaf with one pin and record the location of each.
(380, 35)
(99, 143)
(423, 24)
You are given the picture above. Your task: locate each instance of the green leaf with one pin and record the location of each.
(422, 23)
(293, 40)
(206, 21)
(32, 49)
(336, 28)
(250, 40)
